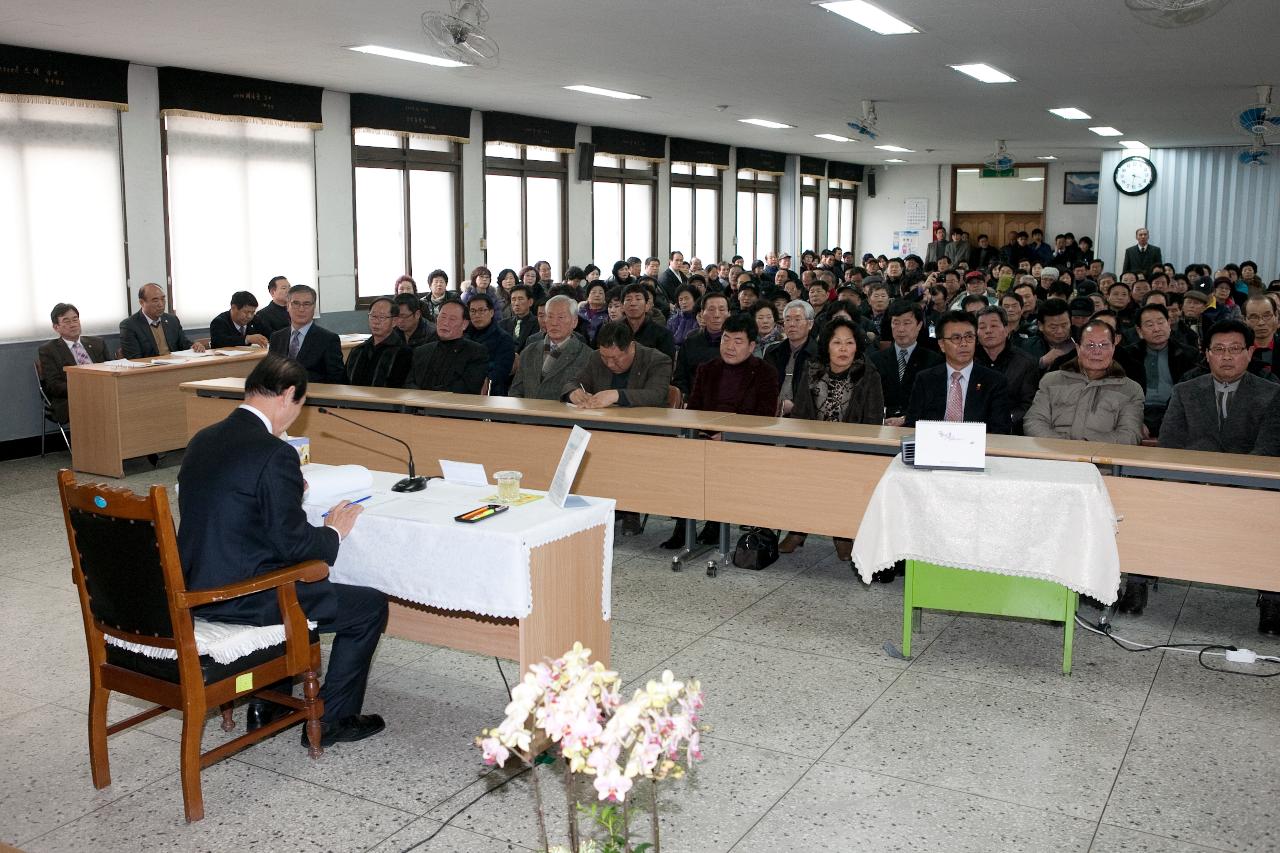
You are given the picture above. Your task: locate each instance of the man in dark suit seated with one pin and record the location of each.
(314, 347)
(551, 365)
(70, 347)
(240, 495)
(523, 323)
(407, 312)
(1019, 369)
(901, 363)
(1157, 363)
(451, 362)
(151, 332)
(275, 316)
(959, 390)
(382, 360)
(484, 330)
(621, 372)
(234, 327)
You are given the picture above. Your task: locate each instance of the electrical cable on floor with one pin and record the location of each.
(1200, 650)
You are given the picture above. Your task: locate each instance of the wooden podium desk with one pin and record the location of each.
(120, 413)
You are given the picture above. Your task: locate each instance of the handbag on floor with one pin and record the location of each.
(756, 548)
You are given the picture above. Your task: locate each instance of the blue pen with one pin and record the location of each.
(356, 501)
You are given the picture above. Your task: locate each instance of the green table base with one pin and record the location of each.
(967, 591)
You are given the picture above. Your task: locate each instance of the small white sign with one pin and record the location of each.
(574, 449)
(951, 444)
(463, 473)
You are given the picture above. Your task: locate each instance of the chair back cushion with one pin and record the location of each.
(120, 559)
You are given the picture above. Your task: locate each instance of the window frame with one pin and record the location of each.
(839, 191)
(525, 168)
(694, 182)
(625, 177)
(812, 191)
(758, 187)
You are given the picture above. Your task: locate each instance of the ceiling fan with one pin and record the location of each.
(459, 33)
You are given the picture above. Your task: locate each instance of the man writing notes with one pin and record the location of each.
(151, 332)
(232, 328)
(240, 496)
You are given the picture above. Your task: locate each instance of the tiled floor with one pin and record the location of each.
(819, 739)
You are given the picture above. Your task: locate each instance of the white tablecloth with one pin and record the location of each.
(409, 546)
(1025, 517)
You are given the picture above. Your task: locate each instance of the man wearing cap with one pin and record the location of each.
(1142, 256)
(1048, 275)
(1081, 309)
(975, 284)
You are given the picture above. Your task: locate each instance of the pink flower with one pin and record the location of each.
(613, 786)
(494, 751)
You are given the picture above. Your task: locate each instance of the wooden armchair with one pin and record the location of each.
(124, 558)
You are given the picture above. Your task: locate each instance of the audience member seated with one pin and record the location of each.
(644, 331)
(1089, 398)
(1260, 314)
(1156, 363)
(899, 364)
(437, 292)
(151, 332)
(234, 327)
(702, 346)
(959, 390)
(523, 323)
(405, 284)
(768, 326)
(314, 347)
(595, 309)
(734, 381)
(838, 386)
(384, 359)
(621, 372)
(1019, 369)
(549, 368)
(410, 319)
(789, 355)
(1193, 304)
(1052, 345)
(70, 347)
(275, 316)
(451, 362)
(501, 349)
(683, 321)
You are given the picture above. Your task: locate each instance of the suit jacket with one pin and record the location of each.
(1136, 260)
(646, 382)
(1023, 375)
(1192, 421)
(1133, 358)
(458, 366)
(55, 356)
(528, 328)
(986, 399)
(269, 320)
(240, 496)
(321, 353)
(222, 332)
(668, 282)
(531, 382)
(897, 392)
(136, 340)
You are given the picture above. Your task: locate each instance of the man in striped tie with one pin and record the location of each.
(958, 389)
(70, 347)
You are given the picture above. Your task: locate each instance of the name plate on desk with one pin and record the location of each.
(951, 444)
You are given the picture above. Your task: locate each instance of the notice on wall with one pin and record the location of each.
(916, 214)
(908, 243)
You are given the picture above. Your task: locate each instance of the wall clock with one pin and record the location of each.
(1134, 175)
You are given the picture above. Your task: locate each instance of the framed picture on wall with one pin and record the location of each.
(1080, 188)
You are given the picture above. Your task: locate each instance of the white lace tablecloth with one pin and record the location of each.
(1026, 517)
(409, 546)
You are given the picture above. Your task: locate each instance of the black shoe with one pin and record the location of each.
(1268, 615)
(260, 712)
(1134, 599)
(884, 575)
(347, 730)
(631, 525)
(676, 540)
(710, 534)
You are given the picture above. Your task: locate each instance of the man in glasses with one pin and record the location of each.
(316, 348)
(958, 389)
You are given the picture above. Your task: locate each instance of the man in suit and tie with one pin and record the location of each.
(523, 322)
(673, 276)
(314, 347)
(550, 367)
(234, 327)
(70, 347)
(958, 389)
(151, 332)
(240, 494)
(1142, 257)
(900, 364)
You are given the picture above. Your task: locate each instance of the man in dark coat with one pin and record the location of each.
(313, 346)
(70, 347)
(234, 327)
(383, 359)
(960, 390)
(1141, 257)
(151, 332)
(1157, 363)
(451, 362)
(275, 315)
(240, 494)
(501, 349)
(901, 363)
(1019, 369)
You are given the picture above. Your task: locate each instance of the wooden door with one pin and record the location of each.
(997, 225)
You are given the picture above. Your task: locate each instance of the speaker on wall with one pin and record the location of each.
(586, 161)
(871, 183)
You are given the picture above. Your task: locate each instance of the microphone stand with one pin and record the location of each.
(412, 483)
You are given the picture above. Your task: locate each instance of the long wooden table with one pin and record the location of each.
(120, 413)
(798, 475)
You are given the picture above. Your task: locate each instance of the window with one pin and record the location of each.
(695, 210)
(241, 205)
(809, 213)
(524, 207)
(406, 210)
(623, 213)
(757, 214)
(61, 217)
(842, 201)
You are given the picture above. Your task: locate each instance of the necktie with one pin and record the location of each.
(1224, 401)
(81, 356)
(955, 399)
(519, 320)
(295, 343)
(902, 364)
(549, 354)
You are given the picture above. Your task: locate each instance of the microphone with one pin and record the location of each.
(412, 483)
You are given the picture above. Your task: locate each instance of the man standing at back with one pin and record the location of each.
(958, 389)
(1142, 256)
(240, 495)
(316, 348)
(152, 332)
(673, 276)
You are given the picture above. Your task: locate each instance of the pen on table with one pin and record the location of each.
(356, 501)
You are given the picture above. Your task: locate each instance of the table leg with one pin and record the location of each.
(909, 613)
(692, 548)
(1069, 630)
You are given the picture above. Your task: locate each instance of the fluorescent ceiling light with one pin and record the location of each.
(984, 72)
(875, 19)
(833, 137)
(408, 56)
(1033, 179)
(1047, 157)
(1106, 131)
(1134, 145)
(967, 171)
(897, 149)
(764, 122)
(608, 93)
(896, 160)
(1070, 113)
